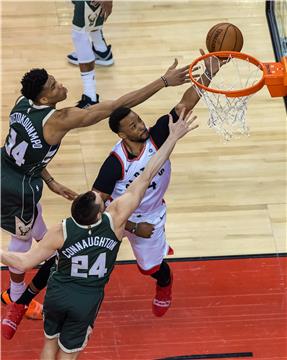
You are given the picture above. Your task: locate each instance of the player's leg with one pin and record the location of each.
(93, 27)
(163, 295)
(24, 303)
(39, 281)
(150, 255)
(17, 284)
(50, 349)
(14, 312)
(55, 313)
(86, 60)
(62, 355)
(103, 52)
(82, 20)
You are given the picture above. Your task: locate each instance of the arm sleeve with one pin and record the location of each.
(160, 131)
(110, 172)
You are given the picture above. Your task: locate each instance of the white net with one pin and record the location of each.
(227, 115)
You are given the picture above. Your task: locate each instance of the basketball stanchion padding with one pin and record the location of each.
(275, 74)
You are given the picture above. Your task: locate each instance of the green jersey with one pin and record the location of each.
(88, 255)
(23, 157)
(25, 148)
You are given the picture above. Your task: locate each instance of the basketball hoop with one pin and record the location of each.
(230, 89)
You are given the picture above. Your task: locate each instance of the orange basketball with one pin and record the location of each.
(224, 37)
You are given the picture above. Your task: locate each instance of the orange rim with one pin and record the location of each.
(230, 93)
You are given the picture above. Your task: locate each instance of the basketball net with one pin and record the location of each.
(227, 115)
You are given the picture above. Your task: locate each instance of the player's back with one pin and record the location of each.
(88, 255)
(25, 149)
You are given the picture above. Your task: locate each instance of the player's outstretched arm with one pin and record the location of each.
(45, 248)
(124, 206)
(70, 118)
(191, 97)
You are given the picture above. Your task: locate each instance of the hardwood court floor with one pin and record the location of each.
(228, 306)
(224, 198)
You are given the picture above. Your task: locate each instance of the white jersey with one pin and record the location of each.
(152, 201)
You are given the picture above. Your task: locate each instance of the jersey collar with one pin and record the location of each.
(38, 106)
(87, 226)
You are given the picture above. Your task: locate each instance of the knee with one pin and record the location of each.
(83, 46)
(19, 245)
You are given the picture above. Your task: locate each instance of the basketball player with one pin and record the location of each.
(88, 20)
(35, 133)
(87, 244)
(146, 226)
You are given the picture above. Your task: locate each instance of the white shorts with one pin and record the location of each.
(149, 252)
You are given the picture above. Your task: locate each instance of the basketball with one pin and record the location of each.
(224, 37)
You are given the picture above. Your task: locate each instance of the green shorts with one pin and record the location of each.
(19, 194)
(87, 16)
(69, 314)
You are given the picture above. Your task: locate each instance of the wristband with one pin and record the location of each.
(164, 81)
(48, 181)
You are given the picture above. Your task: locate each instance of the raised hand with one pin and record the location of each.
(174, 76)
(213, 63)
(183, 125)
(106, 7)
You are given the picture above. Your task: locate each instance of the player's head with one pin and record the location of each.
(128, 125)
(42, 88)
(87, 207)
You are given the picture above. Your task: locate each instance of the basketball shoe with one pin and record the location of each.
(12, 319)
(162, 299)
(86, 101)
(104, 58)
(34, 311)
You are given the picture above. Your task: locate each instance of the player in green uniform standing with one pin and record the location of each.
(35, 133)
(87, 244)
(90, 45)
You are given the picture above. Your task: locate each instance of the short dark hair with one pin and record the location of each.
(33, 83)
(84, 209)
(116, 117)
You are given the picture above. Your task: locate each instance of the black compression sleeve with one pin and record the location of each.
(162, 275)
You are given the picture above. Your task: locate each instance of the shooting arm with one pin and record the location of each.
(191, 97)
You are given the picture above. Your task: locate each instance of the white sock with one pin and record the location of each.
(16, 290)
(89, 84)
(98, 41)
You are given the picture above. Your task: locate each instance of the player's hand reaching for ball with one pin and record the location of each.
(174, 76)
(213, 63)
